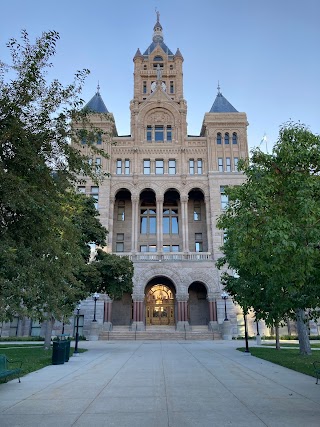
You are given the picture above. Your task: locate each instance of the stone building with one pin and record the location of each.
(166, 190)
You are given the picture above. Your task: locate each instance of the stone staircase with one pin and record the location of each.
(159, 333)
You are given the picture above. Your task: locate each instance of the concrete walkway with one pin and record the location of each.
(161, 384)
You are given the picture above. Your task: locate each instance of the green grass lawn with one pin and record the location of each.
(290, 345)
(33, 356)
(288, 358)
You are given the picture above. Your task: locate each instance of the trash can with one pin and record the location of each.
(67, 345)
(58, 353)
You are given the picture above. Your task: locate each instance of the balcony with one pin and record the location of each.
(168, 257)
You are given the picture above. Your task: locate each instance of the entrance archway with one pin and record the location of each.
(160, 301)
(198, 304)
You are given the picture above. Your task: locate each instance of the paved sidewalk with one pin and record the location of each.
(161, 384)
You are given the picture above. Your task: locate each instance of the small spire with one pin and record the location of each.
(98, 87)
(158, 15)
(218, 88)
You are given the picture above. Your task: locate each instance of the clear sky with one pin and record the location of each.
(264, 53)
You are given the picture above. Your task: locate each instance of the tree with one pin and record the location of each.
(44, 225)
(273, 230)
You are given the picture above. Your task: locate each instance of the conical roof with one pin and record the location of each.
(157, 39)
(222, 105)
(96, 104)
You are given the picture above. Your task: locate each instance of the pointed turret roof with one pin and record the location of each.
(157, 39)
(96, 104)
(178, 54)
(138, 54)
(222, 105)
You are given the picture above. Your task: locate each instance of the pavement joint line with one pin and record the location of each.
(223, 385)
(264, 376)
(165, 385)
(108, 383)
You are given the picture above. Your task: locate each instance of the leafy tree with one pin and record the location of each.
(273, 230)
(44, 225)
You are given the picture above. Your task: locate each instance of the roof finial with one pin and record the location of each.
(158, 15)
(98, 87)
(218, 88)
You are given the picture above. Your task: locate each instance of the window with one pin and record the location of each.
(198, 242)
(224, 198)
(198, 247)
(121, 210)
(149, 133)
(197, 211)
(144, 90)
(120, 242)
(170, 221)
(158, 58)
(235, 161)
(168, 248)
(171, 87)
(171, 67)
(228, 164)
(98, 164)
(148, 221)
(219, 138)
(172, 167)
(146, 167)
(119, 167)
(234, 138)
(82, 190)
(199, 166)
(148, 248)
(191, 167)
(95, 194)
(220, 164)
(158, 133)
(226, 138)
(159, 167)
(169, 133)
(127, 167)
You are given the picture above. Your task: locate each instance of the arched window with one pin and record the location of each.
(226, 138)
(158, 58)
(218, 138)
(234, 138)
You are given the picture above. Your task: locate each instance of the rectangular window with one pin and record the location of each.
(172, 167)
(158, 133)
(119, 167)
(235, 160)
(197, 211)
(220, 164)
(99, 139)
(228, 164)
(199, 165)
(146, 167)
(224, 198)
(198, 247)
(121, 210)
(169, 133)
(120, 237)
(175, 248)
(191, 167)
(171, 87)
(143, 248)
(159, 167)
(144, 87)
(82, 190)
(119, 247)
(95, 195)
(98, 164)
(127, 166)
(149, 133)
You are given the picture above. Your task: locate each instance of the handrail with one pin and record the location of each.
(185, 332)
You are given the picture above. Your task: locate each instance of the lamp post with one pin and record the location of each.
(76, 353)
(95, 297)
(225, 296)
(246, 333)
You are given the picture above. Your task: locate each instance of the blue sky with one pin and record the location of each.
(265, 53)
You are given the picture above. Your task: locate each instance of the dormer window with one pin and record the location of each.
(158, 58)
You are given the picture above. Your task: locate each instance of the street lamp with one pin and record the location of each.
(76, 353)
(246, 333)
(225, 296)
(95, 297)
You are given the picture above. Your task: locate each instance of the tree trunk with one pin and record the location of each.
(277, 337)
(289, 327)
(304, 342)
(47, 338)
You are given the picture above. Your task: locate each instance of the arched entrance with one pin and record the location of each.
(160, 302)
(198, 304)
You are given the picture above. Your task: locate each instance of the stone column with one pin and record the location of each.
(107, 317)
(135, 224)
(159, 223)
(213, 323)
(184, 220)
(182, 305)
(138, 323)
(110, 228)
